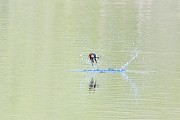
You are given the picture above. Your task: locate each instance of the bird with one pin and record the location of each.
(92, 57)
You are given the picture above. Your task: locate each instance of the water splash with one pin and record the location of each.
(84, 59)
(132, 84)
(133, 55)
(122, 71)
(110, 70)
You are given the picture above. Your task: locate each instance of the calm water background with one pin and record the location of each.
(42, 41)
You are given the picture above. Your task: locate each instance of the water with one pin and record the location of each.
(46, 75)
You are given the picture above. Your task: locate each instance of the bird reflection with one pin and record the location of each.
(92, 84)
